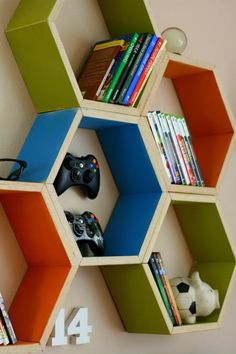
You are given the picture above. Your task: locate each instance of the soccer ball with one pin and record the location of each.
(185, 298)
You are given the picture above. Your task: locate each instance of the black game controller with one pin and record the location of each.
(79, 171)
(87, 233)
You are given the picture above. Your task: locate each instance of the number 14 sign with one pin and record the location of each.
(76, 327)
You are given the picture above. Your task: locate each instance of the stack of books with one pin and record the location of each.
(7, 334)
(174, 143)
(159, 273)
(117, 69)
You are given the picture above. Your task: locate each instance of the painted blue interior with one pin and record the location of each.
(129, 162)
(43, 143)
(128, 224)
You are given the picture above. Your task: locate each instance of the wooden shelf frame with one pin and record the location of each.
(128, 147)
(208, 115)
(44, 64)
(139, 302)
(52, 262)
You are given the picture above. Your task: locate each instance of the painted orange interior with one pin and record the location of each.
(34, 229)
(211, 152)
(35, 300)
(206, 116)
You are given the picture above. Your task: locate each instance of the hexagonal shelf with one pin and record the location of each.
(192, 237)
(50, 257)
(130, 198)
(190, 88)
(50, 45)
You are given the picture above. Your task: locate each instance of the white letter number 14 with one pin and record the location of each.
(76, 327)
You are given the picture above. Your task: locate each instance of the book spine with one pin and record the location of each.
(121, 67)
(173, 149)
(105, 77)
(6, 321)
(140, 70)
(168, 288)
(159, 143)
(107, 44)
(1, 338)
(157, 277)
(184, 151)
(127, 68)
(178, 151)
(134, 68)
(147, 70)
(5, 339)
(171, 158)
(196, 165)
(163, 140)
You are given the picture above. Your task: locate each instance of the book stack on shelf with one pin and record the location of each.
(159, 272)
(117, 69)
(173, 139)
(7, 334)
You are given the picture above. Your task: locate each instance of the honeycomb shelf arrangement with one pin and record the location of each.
(39, 25)
(51, 260)
(138, 300)
(50, 40)
(127, 204)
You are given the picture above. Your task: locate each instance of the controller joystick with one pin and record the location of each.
(87, 233)
(79, 171)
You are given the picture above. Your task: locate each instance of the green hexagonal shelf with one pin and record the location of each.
(130, 198)
(207, 249)
(38, 33)
(51, 262)
(193, 89)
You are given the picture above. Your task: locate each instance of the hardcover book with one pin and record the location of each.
(7, 322)
(97, 67)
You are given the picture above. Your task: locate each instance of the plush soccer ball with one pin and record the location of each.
(185, 298)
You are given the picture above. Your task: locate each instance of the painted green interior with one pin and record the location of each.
(126, 16)
(134, 299)
(209, 246)
(42, 68)
(31, 11)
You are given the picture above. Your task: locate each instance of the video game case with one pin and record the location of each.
(7, 322)
(168, 288)
(154, 269)
(170, 154)
(159, 143)
(163, 139)
(178, 150)
(192, 153)
(173, 149)
(3, 334)
(180, 139)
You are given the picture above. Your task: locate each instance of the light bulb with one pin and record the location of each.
(176, 39)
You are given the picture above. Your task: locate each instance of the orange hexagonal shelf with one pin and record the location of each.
(190, 88)
(50, 46)
(130, 196)
(50, 262)
(193, 237)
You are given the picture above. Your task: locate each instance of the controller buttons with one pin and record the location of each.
(94, 161)
(81, 165)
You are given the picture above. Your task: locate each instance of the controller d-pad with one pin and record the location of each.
(79, 230)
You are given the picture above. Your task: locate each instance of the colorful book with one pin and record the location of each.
(127, 68)
(147, 70)
(4, 337)
(159, 142)
(140, 69)
(128, 51)
(134, 68)
(157, 277)
(96, 68)
(197, 170)
(7, 322)
(168, 288)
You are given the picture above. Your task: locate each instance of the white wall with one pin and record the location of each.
(210, 26)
